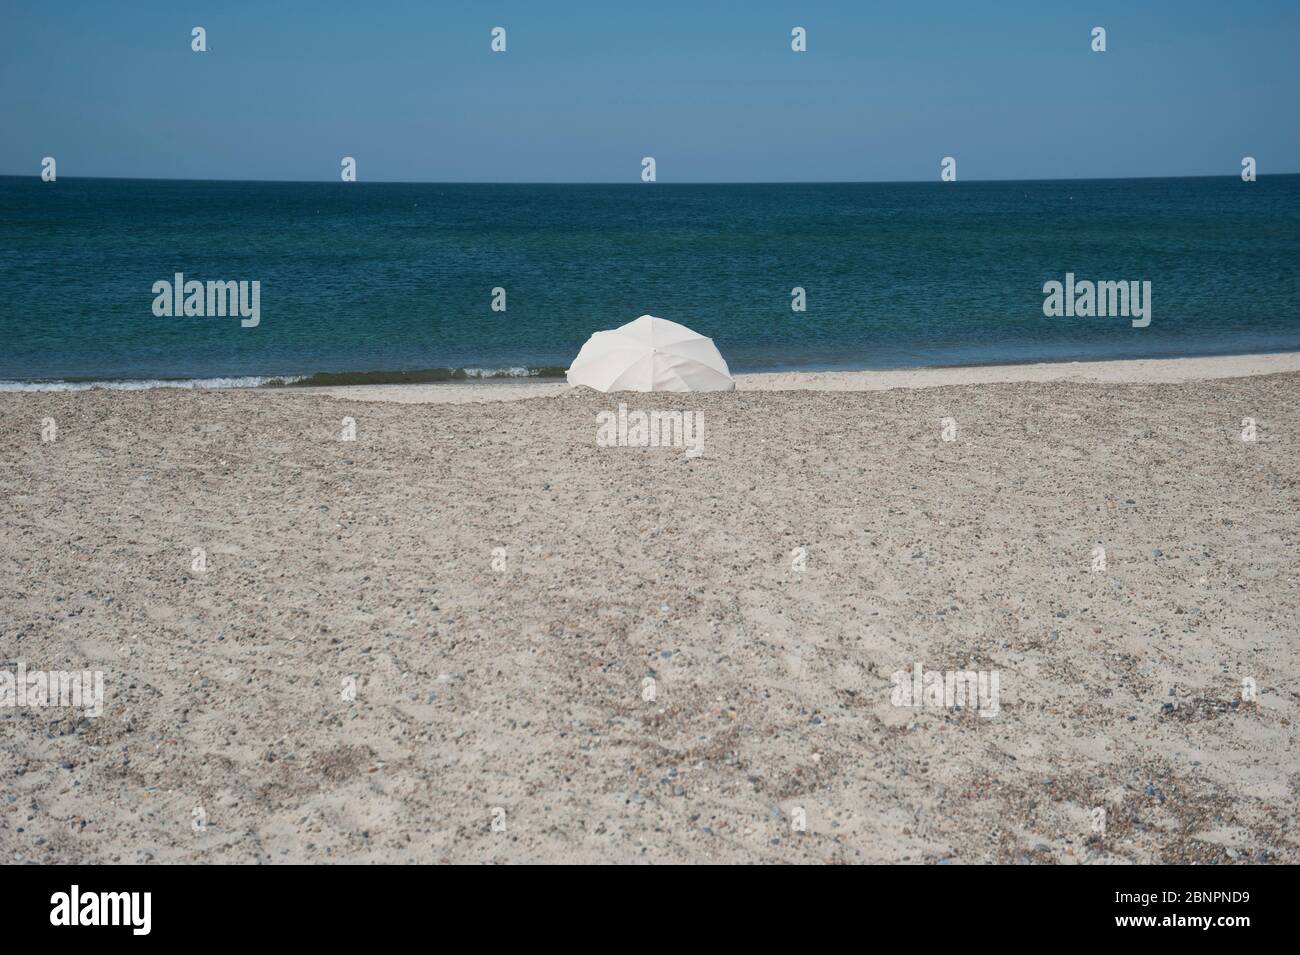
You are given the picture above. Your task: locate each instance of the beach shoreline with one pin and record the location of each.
(444, 386)
(1114, 371)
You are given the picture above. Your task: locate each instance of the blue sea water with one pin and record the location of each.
(370, 277)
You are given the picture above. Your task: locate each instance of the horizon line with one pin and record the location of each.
(620, 182)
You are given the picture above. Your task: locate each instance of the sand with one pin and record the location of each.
(352, 679)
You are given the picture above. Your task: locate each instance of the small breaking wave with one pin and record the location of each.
(422, 376)
(321, 379)
(143, 384)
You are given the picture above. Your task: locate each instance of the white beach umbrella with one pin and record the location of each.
(650, 354)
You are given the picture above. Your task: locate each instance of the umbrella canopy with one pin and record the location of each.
(650, 354)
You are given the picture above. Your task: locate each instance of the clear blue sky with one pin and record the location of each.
(1010, 88)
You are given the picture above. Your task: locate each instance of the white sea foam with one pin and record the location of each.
(250, 381)
(502, 372)
(247, 381)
